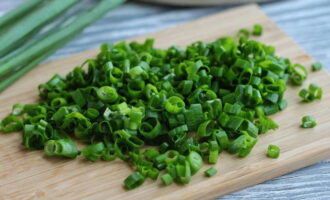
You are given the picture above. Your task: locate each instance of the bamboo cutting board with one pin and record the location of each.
(29, 175)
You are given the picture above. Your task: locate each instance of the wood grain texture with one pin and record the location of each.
(25, 174)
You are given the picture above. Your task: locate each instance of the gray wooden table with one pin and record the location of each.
(307, 21)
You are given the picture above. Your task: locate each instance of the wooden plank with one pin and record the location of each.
(29, 175)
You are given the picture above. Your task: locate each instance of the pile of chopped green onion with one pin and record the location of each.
(162, 111)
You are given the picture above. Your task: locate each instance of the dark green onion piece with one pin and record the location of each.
(134, 180)
(35, 136)
(163, 147)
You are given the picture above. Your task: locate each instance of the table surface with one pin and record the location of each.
(307, 21)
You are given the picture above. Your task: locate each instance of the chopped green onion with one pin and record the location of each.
(210, 172)
(243, 33)
(308, 122)
(93, 152)
(171, 156)
(153, 173)
(317, 66)
(92, 113)
(298, 75)
(163, 147)
(174, 105)
(62, 147)
(167, 179)
(195, 161)
(222, 138)
(134, 180)
(313, 92)
(273, 151)
(283, 104)
(11, 124)
(183, 172)
(107, 94)
(150, 128)
(213, 152)
(257, 30)
(205, 129)
(151, 154)
(17, 109)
